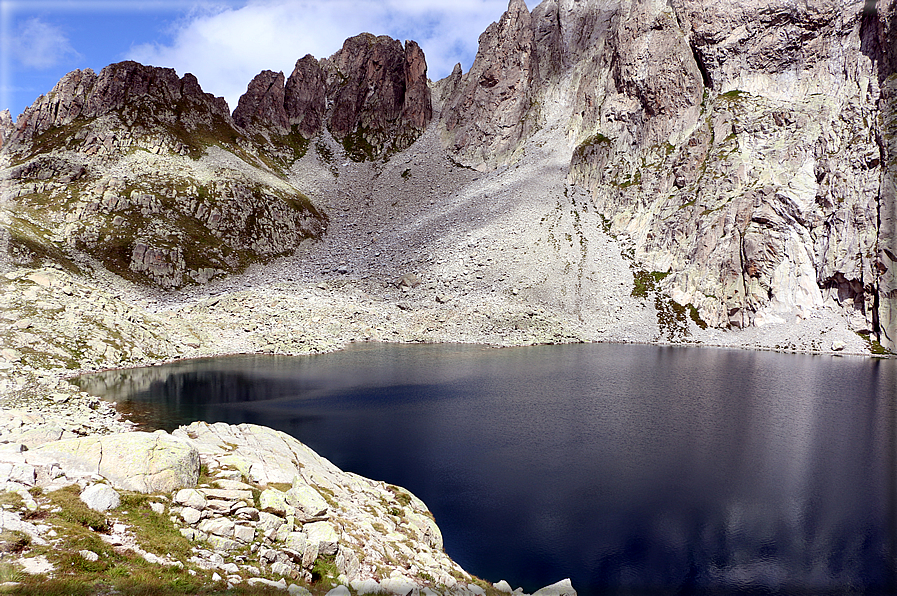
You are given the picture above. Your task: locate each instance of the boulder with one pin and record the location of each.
(190, 497)
(100, 497)
(306, 498)
(274, 500)
(137, 461)
(324, 535)
(561, 588)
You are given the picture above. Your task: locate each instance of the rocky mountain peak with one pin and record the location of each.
(137, 96)
(376, 89)
(305, 98)
(263, 103)
(490, 110)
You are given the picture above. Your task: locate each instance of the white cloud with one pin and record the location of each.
(40, 45)
(225, 46)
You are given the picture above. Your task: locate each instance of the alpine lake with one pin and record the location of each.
(630, 469)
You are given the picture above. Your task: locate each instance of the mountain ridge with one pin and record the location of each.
(746, 175)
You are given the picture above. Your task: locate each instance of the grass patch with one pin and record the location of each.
(401, 496)
(14, 541)
(874, 346)
(646, 282)
(324, 568)
(155, 532)
(75, 512)
(693, 314)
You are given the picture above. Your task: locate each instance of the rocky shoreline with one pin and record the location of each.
(256, 507)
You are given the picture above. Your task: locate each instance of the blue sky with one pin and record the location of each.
(223, 42)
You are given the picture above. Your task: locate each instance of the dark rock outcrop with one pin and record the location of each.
(144, 97)
(376, 89)
(492, 108)
(305, 97)
(263, 103)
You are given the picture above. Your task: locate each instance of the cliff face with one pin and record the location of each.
(745, 148)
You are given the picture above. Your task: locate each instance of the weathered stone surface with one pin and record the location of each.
(263, 103)
(219, 526)
(324, 535)
(191, 497)
(492, 109)
(244, 533)
(100, 497)
(561, 588)
(191, 515)
(137, 461)
(274, 500)
(305, 97)
(307, 499)
(295, 541)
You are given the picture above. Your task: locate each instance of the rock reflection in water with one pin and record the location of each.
(631, 469)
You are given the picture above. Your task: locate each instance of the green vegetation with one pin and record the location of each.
(733, 95)
(646, 282)
(324, 568)
(672, 317)
(402, 497)
(586, 146)
(358, 146)
(874, 346)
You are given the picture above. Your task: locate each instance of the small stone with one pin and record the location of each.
(230, 568)
(222, 543)
(367, 586)
(157, 507)
(100, 497)
(191, 515)
(324, 535)
(295, 541)
(503, 586)
(339, 591)
(244, 533)
(838, 346)
(295, 590)
(218, 526)
(260, 581)
(89, 555)
(250, 513)
(273, 500)
(10, 355)
(281, 569)
(216, 577)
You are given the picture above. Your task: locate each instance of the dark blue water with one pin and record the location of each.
(630, 469)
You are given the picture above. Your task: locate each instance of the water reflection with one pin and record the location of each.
(630, 469)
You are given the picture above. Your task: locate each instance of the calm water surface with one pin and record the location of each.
(630, 469)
